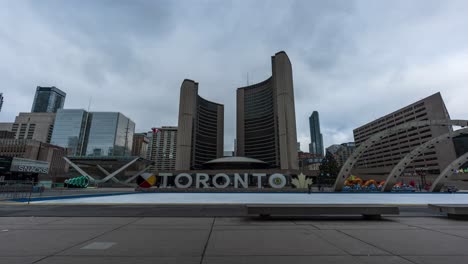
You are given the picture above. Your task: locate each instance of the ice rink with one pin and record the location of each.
(268, 198)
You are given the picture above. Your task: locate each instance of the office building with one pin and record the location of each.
(36, 150)
(343, 153)
(307, 159)
(316, 138)
(48, 99)
(333, 148)
(70, 131)
(94, 133)
(110, 134)
(1, 101)
(5, 130)
(163, 148)
(37, 126)
(382, 156)
(6, 126)
(7, 134)
(266, 119)
(200, 136)
(235, 148)
(140, 145)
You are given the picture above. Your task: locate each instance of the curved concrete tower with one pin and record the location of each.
(266, 118)
(200, 135)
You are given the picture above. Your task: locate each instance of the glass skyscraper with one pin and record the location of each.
(110, 134)
(70, 130)
(316, 139)
(94, 133)
(48, 99)
(1, 101)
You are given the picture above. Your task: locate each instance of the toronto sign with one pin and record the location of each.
(222, 180)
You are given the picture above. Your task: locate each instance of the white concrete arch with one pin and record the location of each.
(396, 172)
(345, 171)
(447, 173)
(109, 175)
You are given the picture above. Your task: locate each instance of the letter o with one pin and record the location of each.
(221, 175)
(277, 180)
(186, 175)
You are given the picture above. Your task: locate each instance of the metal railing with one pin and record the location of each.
(18, 189)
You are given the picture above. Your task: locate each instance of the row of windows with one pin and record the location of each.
(384, 122)
(386, 158)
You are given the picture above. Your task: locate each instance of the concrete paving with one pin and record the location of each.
(403, 239)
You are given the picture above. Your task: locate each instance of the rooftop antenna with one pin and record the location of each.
(247, 78)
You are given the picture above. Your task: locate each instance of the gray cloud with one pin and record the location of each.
(353, 61)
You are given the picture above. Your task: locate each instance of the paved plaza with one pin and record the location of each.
(414, 237)
(121, 228)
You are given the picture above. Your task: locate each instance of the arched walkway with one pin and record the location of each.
(396, 172)
(448, 172)
(345, 171)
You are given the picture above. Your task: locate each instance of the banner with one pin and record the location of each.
(29, 166)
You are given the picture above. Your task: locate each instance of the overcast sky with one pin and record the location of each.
(353, 61)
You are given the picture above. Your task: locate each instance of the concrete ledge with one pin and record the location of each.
(369, 211)
(455, 211)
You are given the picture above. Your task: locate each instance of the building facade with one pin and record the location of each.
(37, 126)
(48, 99)
(333, 148)
(36, 150)
(343, 153)
(306, 159)
(380, 158)
(110, 134)
(5, 126)
(163, 148)
(200, 136)
(316, 138)
(94, 134)
(70, 129)
(7, 134)
(140, 145)
(5, 130)
(266, 119)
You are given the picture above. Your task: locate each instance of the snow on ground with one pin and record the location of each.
(270, 198)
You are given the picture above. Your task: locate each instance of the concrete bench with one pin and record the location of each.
(369, 211)
(455, 211)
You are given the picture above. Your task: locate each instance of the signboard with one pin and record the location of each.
(223, 180)
(29, 166)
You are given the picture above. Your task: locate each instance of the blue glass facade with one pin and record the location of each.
(70, 130)
(48, 99)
